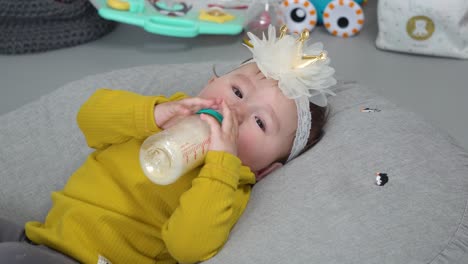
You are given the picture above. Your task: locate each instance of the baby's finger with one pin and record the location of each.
(234, 123)
(215, 127)
(227, 117)
(197, 103)
(182, 110)
(216, 103)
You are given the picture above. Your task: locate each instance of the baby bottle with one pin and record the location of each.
(167, 155)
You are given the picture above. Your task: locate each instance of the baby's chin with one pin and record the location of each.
(244, 161)
(254, 166)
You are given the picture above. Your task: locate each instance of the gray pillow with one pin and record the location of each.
(323, 207)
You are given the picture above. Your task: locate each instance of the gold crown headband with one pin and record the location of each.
(306, 59)
(302, 73)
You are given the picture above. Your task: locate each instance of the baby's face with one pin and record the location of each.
(267, 119)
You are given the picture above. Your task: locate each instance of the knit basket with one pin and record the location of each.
(28, 26)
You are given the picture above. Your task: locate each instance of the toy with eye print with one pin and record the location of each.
(343, 18)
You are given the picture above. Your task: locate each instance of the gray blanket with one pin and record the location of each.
(323, 207)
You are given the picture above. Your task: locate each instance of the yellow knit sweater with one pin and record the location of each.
(109, 209)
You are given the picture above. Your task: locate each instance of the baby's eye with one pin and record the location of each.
(260, 123)
(237, 92)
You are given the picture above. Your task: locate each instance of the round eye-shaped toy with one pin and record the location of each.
(343, 18)
(299, 15)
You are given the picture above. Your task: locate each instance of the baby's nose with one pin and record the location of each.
(240, 113)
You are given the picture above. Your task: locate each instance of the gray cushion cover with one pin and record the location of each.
(323, 207)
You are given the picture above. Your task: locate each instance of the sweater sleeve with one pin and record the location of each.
(201, 224)
(114, 116)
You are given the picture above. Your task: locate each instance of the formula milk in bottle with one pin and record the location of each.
(167, 155)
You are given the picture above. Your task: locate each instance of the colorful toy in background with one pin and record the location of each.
(343, 18)
(189, 18)
(171, 9)
(178, 18)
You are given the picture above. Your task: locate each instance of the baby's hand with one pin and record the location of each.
(172, 111)
(224, 136)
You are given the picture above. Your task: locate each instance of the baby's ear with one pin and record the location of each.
(265, 171)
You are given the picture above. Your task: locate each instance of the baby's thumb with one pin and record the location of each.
(212, 122)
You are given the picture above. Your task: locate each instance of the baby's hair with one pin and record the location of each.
(214, 71)
(240, 65)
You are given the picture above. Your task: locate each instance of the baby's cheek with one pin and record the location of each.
(213, 90)
(250, 148)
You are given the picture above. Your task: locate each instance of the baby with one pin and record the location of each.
(109, 212)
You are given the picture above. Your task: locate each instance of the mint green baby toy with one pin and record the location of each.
(183, 18)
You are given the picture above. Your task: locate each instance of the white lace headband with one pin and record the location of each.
(302, 73)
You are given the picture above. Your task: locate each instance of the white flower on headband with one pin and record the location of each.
(300, 70)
